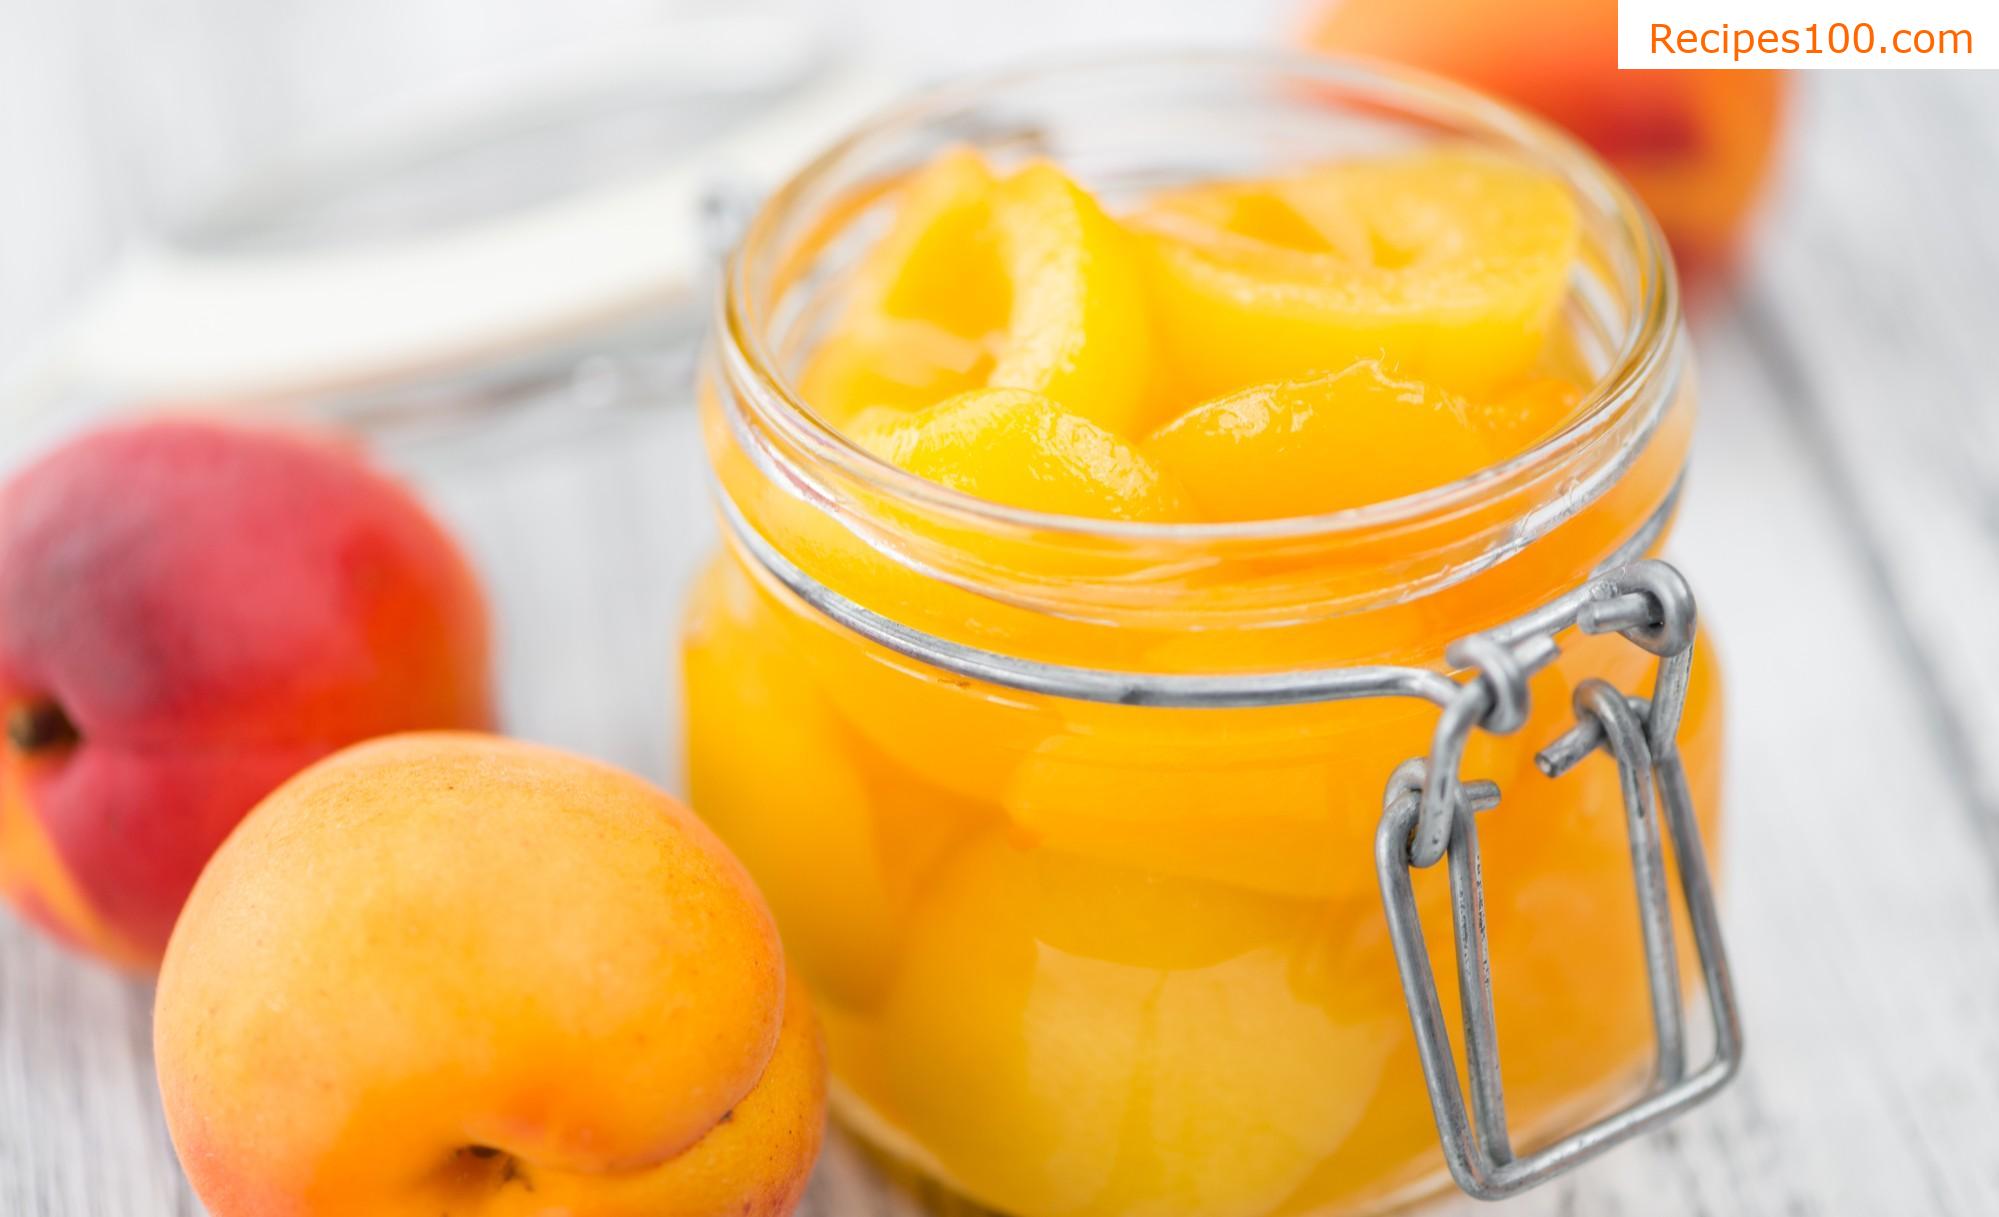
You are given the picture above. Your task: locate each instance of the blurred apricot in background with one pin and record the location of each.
(1697, 146)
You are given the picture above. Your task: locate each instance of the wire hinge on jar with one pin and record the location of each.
(1428, 816)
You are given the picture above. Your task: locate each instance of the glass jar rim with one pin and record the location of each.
(1646, 346)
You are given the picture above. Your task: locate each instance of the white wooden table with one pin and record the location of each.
(1842, 528)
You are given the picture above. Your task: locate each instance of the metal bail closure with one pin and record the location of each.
(1426, 806)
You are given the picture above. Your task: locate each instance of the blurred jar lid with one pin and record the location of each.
(464, 227)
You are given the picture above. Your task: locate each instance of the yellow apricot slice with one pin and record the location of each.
(1448, 266)
(1282, 800)
(1077, 330)
(878, 362)
(936, 728)
(1301, 447)
(919, 726)
(939, 261)
(1070, 1038)
(1527, 414)
(839, 851)
(1021, 283)
(1023, 450)
(926, 303)
(768, 768)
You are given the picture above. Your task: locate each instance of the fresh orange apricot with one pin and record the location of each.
(1024, 450)
(754, 1163)
(454, 974)
(1301, 447)
(1696, 145)
(1446, 266)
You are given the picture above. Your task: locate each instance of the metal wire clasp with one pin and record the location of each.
(1428, 815)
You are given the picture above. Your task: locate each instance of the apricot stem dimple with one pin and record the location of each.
(490, 1166)
(40, 727)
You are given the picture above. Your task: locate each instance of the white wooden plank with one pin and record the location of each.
(81, 1134)
(1880, 311)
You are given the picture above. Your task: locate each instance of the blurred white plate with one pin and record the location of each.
(389, 259)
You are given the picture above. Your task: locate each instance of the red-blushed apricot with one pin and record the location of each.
(191, 611)
(1697, 146)
(454, 974)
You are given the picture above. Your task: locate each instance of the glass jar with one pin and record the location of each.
(1080, 957)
